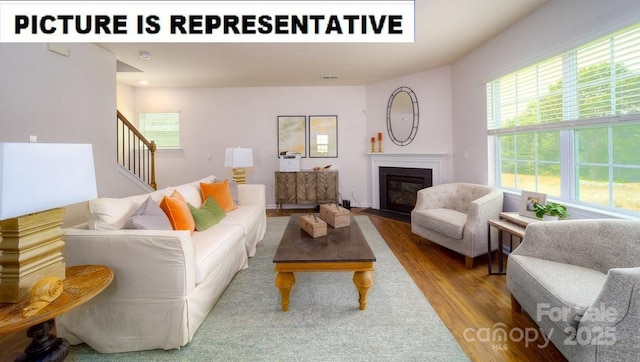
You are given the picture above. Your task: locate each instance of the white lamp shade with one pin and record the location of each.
(238, 157)
(41, 176)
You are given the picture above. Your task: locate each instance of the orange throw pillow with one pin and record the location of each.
(221, 192)
(178, 212)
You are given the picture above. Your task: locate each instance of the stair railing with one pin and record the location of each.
(135, 153)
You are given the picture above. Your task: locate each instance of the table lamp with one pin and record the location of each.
(36, 181)
(239, 158)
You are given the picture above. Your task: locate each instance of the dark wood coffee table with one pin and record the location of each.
(342, 249)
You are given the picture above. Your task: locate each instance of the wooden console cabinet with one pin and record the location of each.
(306, 187)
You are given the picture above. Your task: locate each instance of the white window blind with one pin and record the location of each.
(569, 126)
(163, 128)
(592, 84)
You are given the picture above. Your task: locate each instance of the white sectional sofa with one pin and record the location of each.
(165, 281)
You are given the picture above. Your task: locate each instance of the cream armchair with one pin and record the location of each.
(455, 216)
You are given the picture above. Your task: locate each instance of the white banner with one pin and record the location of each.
(207, 21)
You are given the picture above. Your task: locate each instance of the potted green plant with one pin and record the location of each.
(550, 210)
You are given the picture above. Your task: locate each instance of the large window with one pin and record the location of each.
(569, 126)
(163, 128)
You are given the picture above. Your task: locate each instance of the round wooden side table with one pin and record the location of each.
(82, 283)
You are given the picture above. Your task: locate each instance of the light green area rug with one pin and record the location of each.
(323, 323)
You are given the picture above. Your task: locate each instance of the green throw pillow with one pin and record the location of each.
(209, 214)
(214, 207)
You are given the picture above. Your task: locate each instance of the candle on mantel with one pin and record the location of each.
(379, 136)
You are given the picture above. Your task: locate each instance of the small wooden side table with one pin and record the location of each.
(513, 224)
(82, 283)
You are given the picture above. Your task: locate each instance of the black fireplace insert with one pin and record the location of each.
(399, 187)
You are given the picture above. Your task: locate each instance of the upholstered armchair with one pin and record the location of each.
(579, 281)
(455, 216)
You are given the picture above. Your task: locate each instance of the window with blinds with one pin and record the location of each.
(163, 128)
(569, 126)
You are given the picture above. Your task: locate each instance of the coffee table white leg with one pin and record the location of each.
(284, 282)
(363, 281)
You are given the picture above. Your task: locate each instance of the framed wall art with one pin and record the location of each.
(292, 135)
(323, 136)
(527, 199)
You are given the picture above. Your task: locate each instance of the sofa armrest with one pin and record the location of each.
(613, 320)
(147, 264)
(599, 244)
(484, 208)
(251, 194)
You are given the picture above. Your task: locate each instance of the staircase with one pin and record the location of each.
(136, 154)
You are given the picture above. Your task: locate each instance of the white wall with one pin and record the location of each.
(433, 91)
(213, 119)
(63, 99)
(555, 27)
(125, 99)
(73, 99)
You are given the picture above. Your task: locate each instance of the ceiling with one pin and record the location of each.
(445, 31)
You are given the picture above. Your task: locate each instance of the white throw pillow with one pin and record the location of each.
(107, 213)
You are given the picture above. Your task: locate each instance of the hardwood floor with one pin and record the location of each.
(469, 301)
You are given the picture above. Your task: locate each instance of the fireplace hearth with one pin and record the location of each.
(399, 187)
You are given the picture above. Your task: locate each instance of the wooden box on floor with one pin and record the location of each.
(313, 225)
(335, 215)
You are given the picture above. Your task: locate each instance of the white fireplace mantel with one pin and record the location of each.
(412, 160)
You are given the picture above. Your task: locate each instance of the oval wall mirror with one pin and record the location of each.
(402, 116)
